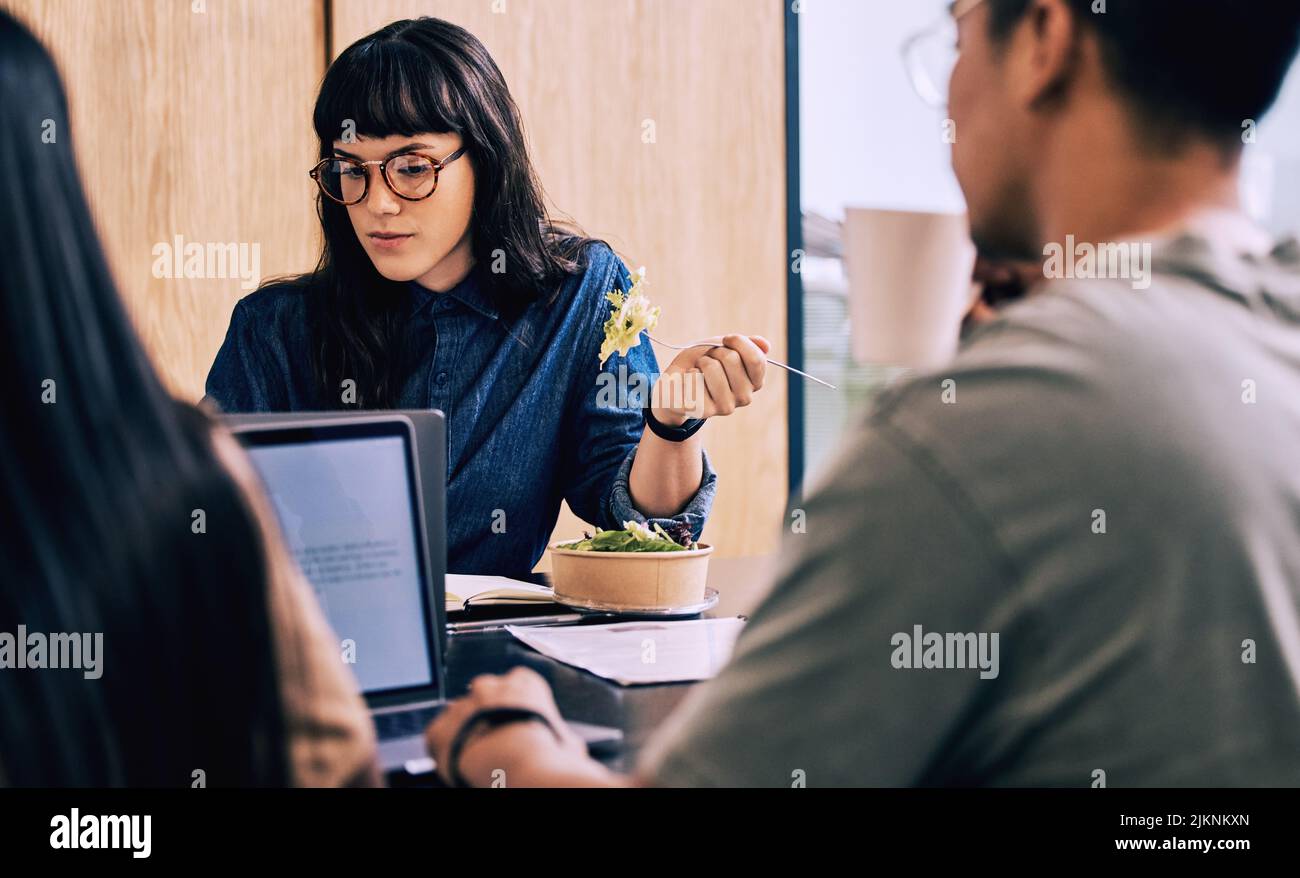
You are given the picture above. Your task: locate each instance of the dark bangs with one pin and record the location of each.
(384, 86)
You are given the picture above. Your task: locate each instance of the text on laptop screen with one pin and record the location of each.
(345, 508)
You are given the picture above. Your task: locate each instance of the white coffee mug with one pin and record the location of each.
(909, 285)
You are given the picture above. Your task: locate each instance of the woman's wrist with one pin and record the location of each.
(669, 417)
(679, 428)
(491, 752)
(665, 474)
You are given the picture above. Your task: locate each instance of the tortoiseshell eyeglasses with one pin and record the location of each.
(412, 176)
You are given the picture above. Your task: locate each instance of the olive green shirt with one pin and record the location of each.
(1110, 483)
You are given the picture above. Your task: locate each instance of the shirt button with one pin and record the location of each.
(445, 304)
(442, 377)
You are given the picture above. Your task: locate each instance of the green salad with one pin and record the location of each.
(634, 537)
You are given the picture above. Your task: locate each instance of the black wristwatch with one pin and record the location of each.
(673, 434)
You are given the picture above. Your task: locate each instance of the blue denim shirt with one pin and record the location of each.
(529, 420)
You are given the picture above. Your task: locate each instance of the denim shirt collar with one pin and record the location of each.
(468, 292)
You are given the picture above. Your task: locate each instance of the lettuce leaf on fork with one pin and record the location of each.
(632, 315)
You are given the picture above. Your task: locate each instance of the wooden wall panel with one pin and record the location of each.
(702, 205)
(190, 119)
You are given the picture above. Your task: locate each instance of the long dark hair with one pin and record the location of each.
(101, 473)
(414, 76)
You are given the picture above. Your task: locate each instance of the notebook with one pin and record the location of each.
(472, 590)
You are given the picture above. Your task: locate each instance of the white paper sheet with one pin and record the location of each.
(634, 653)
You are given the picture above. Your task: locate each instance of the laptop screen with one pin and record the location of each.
(347, 504)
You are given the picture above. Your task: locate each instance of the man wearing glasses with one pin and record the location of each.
(1110, 500)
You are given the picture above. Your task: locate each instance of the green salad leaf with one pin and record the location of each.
(634, 537)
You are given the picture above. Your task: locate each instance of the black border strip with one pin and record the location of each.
(794, 243)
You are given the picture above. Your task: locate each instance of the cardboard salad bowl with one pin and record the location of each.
(629, 581)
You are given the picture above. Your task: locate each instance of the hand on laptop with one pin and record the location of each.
(517, 754)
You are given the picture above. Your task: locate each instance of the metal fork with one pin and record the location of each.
(716, 342)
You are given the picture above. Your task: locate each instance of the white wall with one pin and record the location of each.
(1271, 184)
(866, 138)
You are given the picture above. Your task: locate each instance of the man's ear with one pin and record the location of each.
(1043, 53)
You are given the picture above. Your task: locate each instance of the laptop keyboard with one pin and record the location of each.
(402, 724)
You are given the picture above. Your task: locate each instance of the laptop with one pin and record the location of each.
(361, 497)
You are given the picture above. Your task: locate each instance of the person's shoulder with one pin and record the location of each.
(1101, 315)
(1044, 340)
(273, 315)
(1067, 335)
(598, 270)
(275, 300)
(1040, 371)
(599, 259)
(1059, 387)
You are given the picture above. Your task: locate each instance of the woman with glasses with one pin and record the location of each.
(443, 284)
